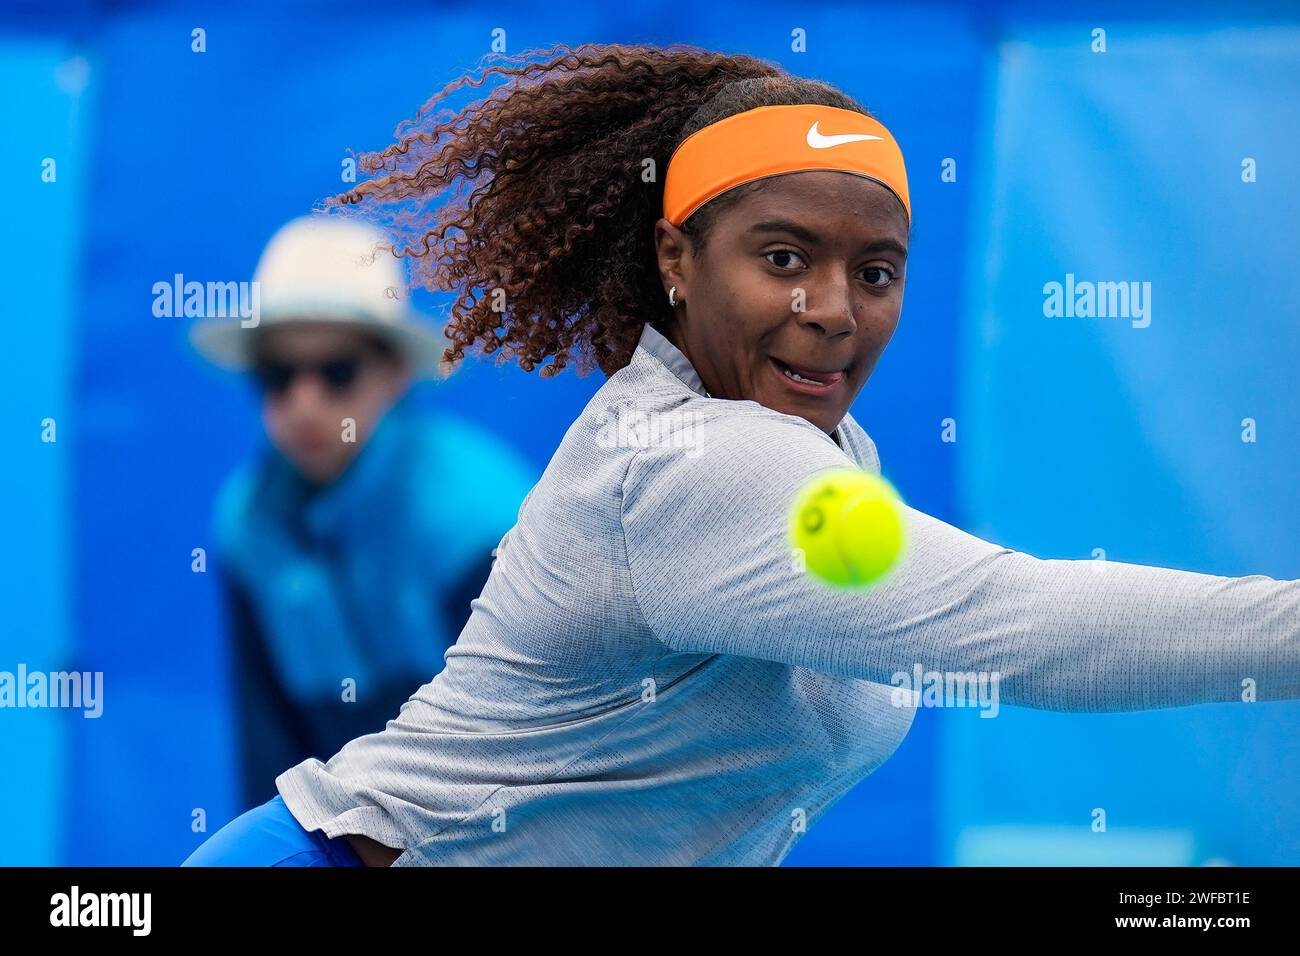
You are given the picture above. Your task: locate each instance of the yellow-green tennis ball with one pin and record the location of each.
(849, 525)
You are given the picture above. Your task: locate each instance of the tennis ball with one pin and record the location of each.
(849, 525)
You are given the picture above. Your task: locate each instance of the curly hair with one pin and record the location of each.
(552, 254)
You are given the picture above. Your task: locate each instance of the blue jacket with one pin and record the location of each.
(367, 579)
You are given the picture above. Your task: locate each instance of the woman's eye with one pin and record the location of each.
(877, 276)
(783, 252)
(880, 270)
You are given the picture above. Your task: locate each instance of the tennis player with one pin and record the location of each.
(648, 677)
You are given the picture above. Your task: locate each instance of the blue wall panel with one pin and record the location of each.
(1098, 433)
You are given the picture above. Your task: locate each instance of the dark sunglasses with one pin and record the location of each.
(338, 374)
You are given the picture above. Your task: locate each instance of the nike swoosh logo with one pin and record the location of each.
(818, 140)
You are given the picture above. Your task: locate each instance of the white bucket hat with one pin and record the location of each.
(325, 269)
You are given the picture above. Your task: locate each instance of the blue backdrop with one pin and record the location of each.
(1165, 161)
(1072, 434)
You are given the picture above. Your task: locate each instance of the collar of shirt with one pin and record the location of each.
(658, 345)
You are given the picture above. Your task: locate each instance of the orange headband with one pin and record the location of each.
(771, 140)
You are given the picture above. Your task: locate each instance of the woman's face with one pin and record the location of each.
(805, 275)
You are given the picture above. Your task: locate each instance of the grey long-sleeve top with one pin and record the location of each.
(648, 678)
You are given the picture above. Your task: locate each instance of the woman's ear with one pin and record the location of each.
(672, 250)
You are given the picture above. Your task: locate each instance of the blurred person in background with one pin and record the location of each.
(350, 548)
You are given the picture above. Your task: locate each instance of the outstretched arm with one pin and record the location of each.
(713, 573)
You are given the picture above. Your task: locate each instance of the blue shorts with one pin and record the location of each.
(270, 836)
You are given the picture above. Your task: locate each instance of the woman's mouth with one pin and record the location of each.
(807, 381)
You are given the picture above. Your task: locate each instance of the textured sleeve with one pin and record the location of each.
(712, 570)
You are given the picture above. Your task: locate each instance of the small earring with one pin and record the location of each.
(672, 296)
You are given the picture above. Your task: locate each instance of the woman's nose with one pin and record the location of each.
(828, 306)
